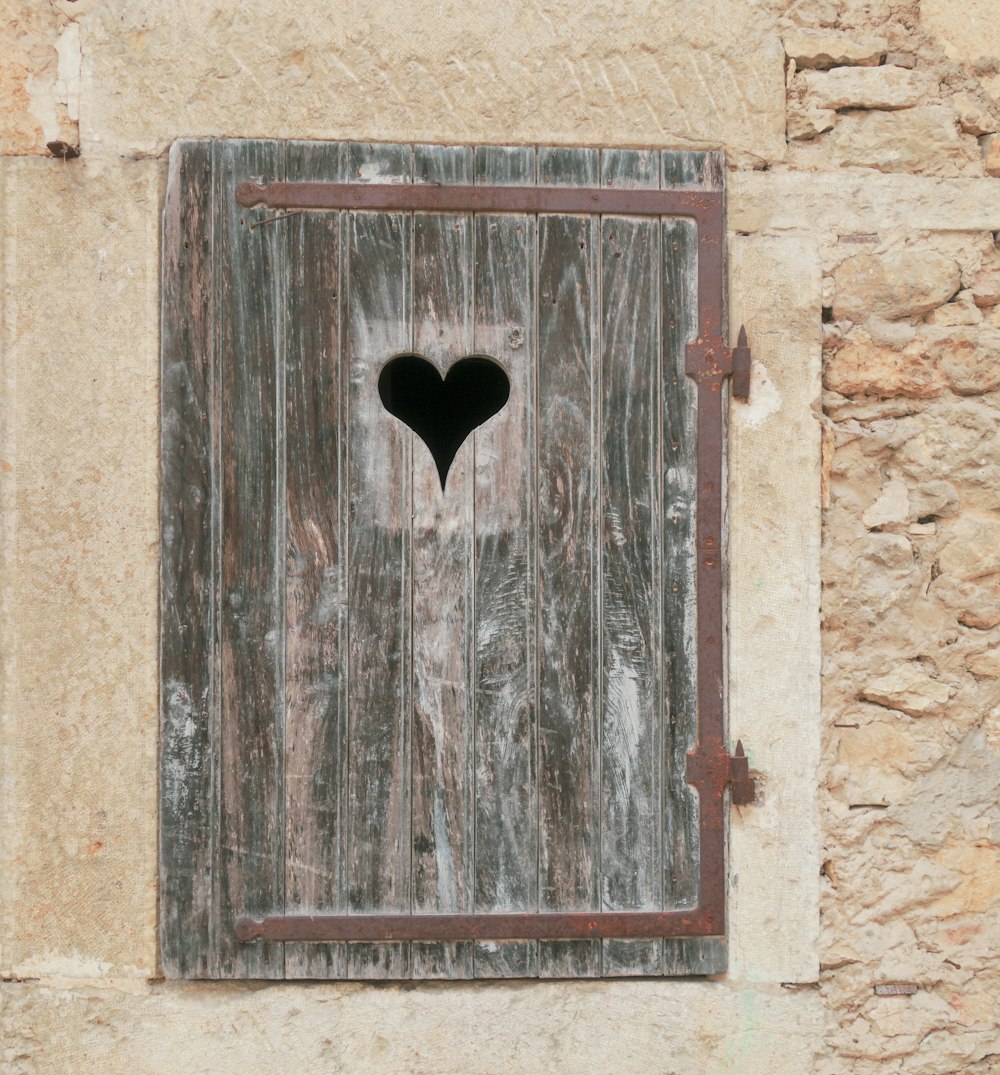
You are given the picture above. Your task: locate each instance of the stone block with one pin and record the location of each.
(78, 876)
(852, 203)
(969, 358)
(805, 121)
(962, 310)
(986, 284)
(925, 140)
(973, 548)
(830, 48)
(603, 1028)
(907, 688)
(866, 87)
(892, 506)
(712, 73)
(975, 115)
(874, 754)
(904, 283)
(774, 446)
(901, 59)
(958, 440)
(899, 503)
(986, 663)
(975, 604)
(862, 367)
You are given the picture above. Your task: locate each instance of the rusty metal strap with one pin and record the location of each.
(698, 204)
(477, 927)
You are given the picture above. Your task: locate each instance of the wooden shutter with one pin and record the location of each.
(384, 699)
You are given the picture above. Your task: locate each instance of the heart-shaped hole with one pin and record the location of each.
(443, 412)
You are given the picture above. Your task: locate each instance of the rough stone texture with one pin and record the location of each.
(866, 87)
(970, 32)
(973, 549)
(863, 367)
(710, 74)
(909, 689)
(925, 140)
(906, 283)
(828, 48)
(968, 358)
(985, 664)
(986, 284)
(911, 613)
(964, 359)
(806, 121)
(975, 115)
(962, 310)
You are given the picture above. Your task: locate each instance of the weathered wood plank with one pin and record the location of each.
(506, 819)
(379, 584)
(630, 168)
(443, 754)
(631, 613)
(569, 676)
(188, 578)
(692, 171)
(503, 166)
(567, 166)
(693, 955)
(680, 614)
(315, 562)
(250, 304)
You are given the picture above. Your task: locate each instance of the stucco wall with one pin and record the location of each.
(861, 214)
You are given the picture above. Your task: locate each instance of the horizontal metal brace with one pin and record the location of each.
(698, 204)
(479, 927)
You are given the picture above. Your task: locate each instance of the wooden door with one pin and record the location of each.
(381, 696)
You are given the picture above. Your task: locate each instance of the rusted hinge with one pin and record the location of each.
(710, 359)
(742, 789)
(710, 768)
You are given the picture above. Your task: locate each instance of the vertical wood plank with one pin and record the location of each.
(569, 678)
(506, 819)
(378, 326)
(442, 584)
(681, 851)
(188, 578)
(314, 557)
(680, 495)
(250, 301)
(631, 612)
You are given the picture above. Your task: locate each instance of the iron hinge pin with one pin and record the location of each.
(741, 366)
(743, 789)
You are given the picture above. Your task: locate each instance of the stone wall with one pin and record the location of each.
(863, 142)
